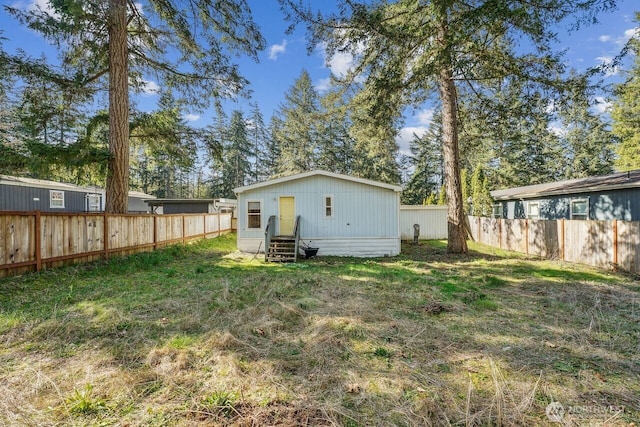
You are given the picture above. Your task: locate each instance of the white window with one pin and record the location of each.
(580, 209)
(254, 214)
(93, 202)
(328, 206)
(533, 210)
(56, 199)
(497, 210)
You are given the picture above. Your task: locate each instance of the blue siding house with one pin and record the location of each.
(614, 196)
(28, 194)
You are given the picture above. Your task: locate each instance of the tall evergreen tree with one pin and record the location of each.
(185, 44)
(336, 146)
(299, 127)
(236, 170)
(375, 147)
(585, 135)
(258, 136)
(410, 48)
(426, 160)
(626, 111)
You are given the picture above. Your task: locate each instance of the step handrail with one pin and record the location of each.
(269, 232)
(296, 234)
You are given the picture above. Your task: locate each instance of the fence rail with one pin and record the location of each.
(612, 243)
(35, 240)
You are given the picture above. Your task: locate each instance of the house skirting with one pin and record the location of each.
(339, 246)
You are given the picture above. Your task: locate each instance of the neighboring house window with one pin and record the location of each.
(328, 206)
(497, 210)
(533, 210)
(580, 209)
(93, 202)
(56, 199)
(254, 214)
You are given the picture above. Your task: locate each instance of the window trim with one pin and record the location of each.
(248, 214)
(529, 205)
(97, 198)
(579, 200)
(497, 210)
(56, 205)
(331, 205)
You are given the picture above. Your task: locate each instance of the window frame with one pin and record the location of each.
(572, 214)
(529, 206)
(94, 200)
(258, 215)
(330, 206)
(497, 210)
(56, 202)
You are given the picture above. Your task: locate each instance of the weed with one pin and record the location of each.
(83, 402)
(219, 403)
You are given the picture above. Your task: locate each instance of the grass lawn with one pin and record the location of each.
(200, 335)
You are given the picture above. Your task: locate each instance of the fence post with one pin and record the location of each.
(106, 235)
(562, 233)
(526, 236)
(204, 225)
(38, 240)
(155, 231)
(615, 242)
(184, 240)
(500, 233)
(219, 232)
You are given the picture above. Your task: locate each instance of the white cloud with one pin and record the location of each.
(602, 105)
(277, 49)
(425, 117)
(323, 85)
(191, 117)
(604, 38)
(405, 136)
(607, 64)
(149, 87)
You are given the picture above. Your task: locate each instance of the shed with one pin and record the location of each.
(338, 214)
(605, 197)
(29, 194)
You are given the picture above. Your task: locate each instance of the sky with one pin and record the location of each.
(286, 55)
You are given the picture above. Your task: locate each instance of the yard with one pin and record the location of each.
(199, 334)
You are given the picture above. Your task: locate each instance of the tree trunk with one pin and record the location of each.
(456, 231)
(118, 169)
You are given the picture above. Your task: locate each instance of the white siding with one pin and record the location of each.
(432, 221)
(361, 213)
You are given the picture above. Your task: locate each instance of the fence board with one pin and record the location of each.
(514, 235)
(589, 242)
(628, 245)
(81, 237)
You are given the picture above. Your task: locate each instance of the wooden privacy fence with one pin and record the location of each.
(612, 243)
(35, 240)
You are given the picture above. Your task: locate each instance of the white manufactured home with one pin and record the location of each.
(338, 214)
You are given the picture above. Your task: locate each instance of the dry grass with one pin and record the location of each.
(195, 336)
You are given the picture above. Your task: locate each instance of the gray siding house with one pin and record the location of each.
(614, 196)
(338, 214)
(28, 194)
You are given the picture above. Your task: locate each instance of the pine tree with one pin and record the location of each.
(426, 160)
(257, 133)
(414, 48)
(626, 112)
(586, 136)
(299, 131)
(236, 169)
(118, 40)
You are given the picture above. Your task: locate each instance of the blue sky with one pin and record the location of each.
(287, 55)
